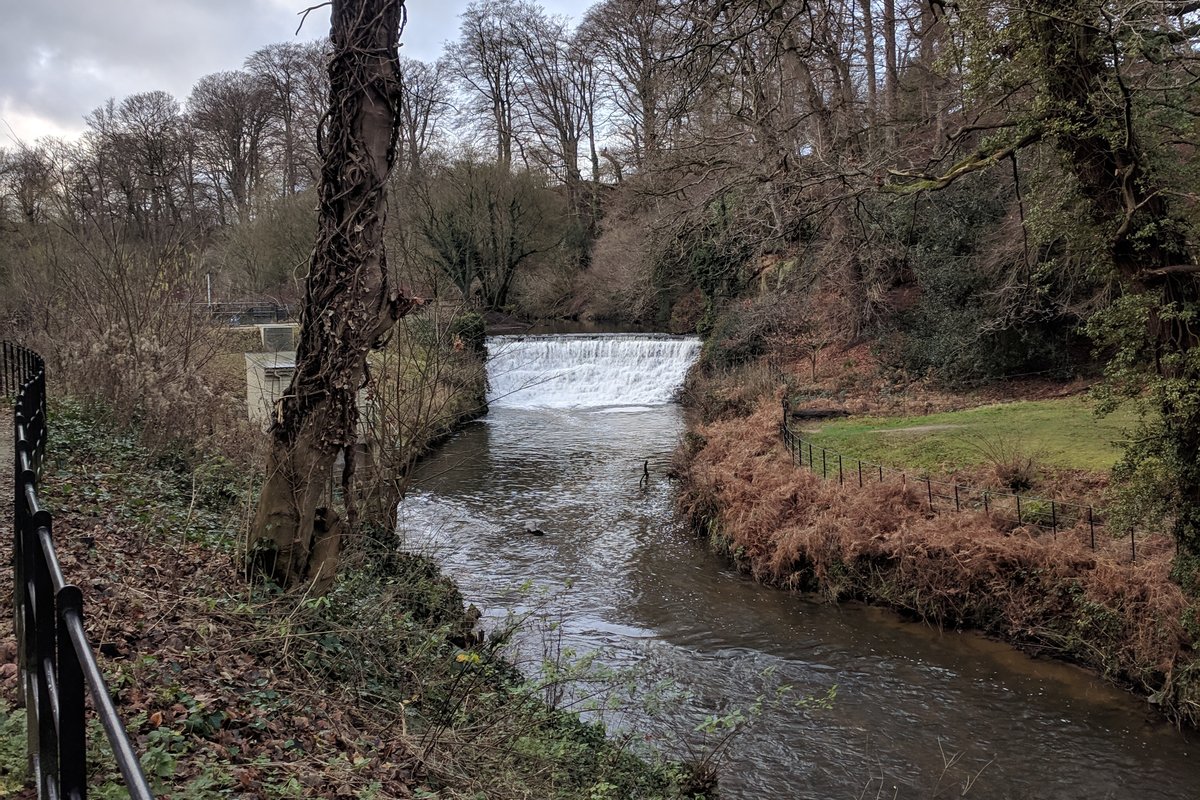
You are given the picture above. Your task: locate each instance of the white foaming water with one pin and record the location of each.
(587, 370)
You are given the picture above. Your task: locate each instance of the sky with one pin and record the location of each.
(60, 59)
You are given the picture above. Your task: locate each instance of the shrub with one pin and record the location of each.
(470, 329)
(737, 336)
(617, 285)
(1010, 463)
(981, 310)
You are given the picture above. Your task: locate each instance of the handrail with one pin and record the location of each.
(55, 658)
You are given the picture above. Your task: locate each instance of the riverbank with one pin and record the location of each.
(1051, 596)
(381, 688)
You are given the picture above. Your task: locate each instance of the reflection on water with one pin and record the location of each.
(917, 714)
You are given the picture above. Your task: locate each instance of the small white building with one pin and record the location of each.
(267, 378)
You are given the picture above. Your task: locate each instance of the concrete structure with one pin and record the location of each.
(278, 338)
(267, 377)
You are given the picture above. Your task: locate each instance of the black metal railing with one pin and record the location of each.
(56, 661)
(263, 313)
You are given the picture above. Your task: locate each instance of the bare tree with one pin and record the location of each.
(135, 159)
(426, 102)
(231, 113)
(312, 100)
(482, 224)
(288, 70)
(551, 100)
(630, 41)
(485, 61)
(26, 176)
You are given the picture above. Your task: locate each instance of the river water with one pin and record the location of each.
(916, 713)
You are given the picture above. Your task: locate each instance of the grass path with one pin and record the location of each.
(1063, 433)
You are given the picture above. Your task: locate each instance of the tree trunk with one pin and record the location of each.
(350, 304)
(872, 76)
(891, 74)
(1147, 244)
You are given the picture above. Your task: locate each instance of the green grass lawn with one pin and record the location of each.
(1061, 433)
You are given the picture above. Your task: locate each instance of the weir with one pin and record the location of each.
(587, 370)
(918, 713)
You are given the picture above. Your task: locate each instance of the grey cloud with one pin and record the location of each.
(59, 59)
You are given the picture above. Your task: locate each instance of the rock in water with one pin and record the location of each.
(534, 527)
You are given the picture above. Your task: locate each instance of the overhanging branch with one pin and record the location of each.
(976, 162)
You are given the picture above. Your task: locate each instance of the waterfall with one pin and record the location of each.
(587, 370)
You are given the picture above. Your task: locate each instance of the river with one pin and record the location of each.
(916, 713)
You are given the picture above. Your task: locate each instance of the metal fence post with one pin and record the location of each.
(44, 658)
(840, 480)
(26, 630)
(72, 729)
(929, 492)
(1092, 526)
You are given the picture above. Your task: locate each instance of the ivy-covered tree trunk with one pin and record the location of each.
(1092, 118)
(350, 301)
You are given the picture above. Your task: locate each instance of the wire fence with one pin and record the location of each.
(57, 666)
(1083, 522)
